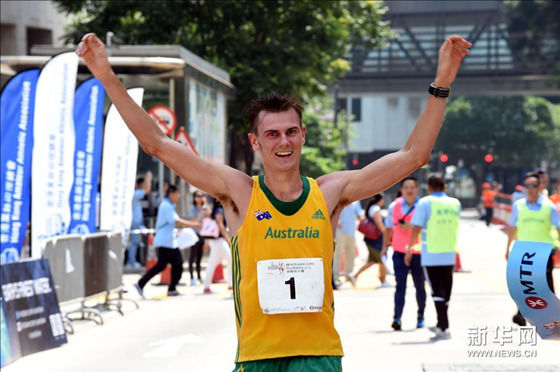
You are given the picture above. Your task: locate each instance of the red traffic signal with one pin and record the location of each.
(489, 158)
(443, 158)
(354, 162)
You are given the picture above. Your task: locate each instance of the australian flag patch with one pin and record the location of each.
(262, 215)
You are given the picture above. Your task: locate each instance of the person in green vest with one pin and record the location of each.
(437, 216)
(535, 219)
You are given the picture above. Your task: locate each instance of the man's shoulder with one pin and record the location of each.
(451, 200)
(165, 205)
(516, 204)
(549, 203)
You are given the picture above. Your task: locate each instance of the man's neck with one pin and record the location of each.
(286, 187)
(533, 200)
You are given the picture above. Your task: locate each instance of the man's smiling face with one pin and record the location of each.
(280, 138)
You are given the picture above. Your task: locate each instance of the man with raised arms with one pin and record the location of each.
(283, 294)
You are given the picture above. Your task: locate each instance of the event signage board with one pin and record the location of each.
(53, 150)
(89, 101)
(31, 320)
(16, 139)
(526, 279)
(118, 171)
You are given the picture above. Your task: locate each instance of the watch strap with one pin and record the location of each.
(439, 92)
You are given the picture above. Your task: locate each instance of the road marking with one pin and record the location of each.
(454, 343)
(171, 346)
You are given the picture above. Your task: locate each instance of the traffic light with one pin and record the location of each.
(443, 158)
(489, 158)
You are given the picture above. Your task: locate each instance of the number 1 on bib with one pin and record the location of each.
(291, 285)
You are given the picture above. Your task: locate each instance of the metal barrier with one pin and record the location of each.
(115, 259)
(66, 262)
(143, 249)
(85, 267)
(114, 272)
(95, 261)
(502, 209)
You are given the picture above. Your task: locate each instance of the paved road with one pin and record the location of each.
(196, 332)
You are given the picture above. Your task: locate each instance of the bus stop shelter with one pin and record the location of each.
(196, 90)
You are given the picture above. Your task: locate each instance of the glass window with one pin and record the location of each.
(341, 104)
(356, 109)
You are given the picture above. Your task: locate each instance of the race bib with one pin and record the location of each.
(293, 285)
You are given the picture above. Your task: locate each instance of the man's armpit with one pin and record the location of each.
(228, 202)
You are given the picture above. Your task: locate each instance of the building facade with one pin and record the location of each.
(28, 23)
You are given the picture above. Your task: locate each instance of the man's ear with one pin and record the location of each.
(303, 134)
(254, 142)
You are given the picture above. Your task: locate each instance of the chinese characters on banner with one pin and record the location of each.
(16, 136)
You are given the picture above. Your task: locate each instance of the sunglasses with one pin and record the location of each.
(531, 186)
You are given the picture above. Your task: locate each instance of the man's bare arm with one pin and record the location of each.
(413, 236)
(216, 179)
(386, 239)
(347, 186)
(185, 223)
(512, 235)
(148, 182)
(223, 231)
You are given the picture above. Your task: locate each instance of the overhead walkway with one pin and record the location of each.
(500, 63)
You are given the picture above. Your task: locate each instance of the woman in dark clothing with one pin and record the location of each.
(198, 210)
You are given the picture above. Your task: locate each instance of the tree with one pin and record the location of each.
(295, 47)
(517, 131)
(533, 27)
(324, 150)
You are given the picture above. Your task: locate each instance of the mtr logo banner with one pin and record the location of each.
(526, 278)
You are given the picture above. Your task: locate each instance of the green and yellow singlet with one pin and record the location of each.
(289, 232)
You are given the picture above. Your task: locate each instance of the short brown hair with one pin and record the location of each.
(272, 102)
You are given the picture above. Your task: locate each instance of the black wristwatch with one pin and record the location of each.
(439, 92)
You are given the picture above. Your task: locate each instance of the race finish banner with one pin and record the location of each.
(526, 278)
(118, 172)
(89, 101)
(31, 318)
(16, 140)
(53, 150)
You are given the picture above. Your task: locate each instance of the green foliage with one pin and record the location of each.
(518, 131)
(324, 150)
(296, 47)
(534, 28)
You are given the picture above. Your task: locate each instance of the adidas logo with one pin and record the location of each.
(318, 215)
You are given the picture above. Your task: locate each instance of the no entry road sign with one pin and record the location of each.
(164, 117)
